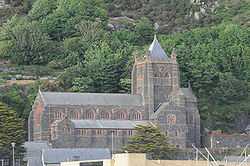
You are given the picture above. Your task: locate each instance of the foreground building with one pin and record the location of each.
(97, 120)
(133, 159)
(40, 153)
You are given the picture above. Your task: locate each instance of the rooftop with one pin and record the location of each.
(156, 52)
(65, 98)
(108, 124)
(54, 156)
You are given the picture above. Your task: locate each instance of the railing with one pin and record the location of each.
(7, 162)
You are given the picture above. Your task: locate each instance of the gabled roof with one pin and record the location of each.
(55, 156)
(108, 124)
(65, 98)
(156, 52)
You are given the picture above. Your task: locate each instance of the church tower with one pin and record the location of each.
(154, 77)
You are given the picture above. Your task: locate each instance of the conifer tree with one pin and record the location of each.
(150, 140)
(11, 130)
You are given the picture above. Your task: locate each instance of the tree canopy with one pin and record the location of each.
(149, 139)
(11, 130)
(216, 61)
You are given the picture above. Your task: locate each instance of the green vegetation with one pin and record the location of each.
(20, 98)
(11, 130)
(88, 50)
(149, 139)
(216, 61)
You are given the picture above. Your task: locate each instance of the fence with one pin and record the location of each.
(8, 162)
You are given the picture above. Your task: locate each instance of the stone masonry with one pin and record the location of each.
(94, 119)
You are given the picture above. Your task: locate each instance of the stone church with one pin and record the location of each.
(105, 120)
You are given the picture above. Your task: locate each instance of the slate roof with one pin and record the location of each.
(64, 98)
(108, 124)
(53, 156)
(156, 52)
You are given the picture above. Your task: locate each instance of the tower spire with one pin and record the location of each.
(173, 54)
(155, 51)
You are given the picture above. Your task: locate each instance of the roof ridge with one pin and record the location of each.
(69, 98)
(91, 93)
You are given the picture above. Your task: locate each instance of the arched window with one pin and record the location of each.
(82, 132)
(90, 115)
(168, 75)
(77, 115)
(130, 132)
(121, 115)
(99, 132)
(114, 132)
(67, 130)
(72, 115)
(137, 116)
(105, 115)
(58, 115)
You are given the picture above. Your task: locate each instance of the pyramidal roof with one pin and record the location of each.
(156, 52)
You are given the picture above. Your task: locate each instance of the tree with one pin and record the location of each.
(102, 70)
(88, 33)
(144, 31)
(11, 130)
(150, 140)
(19, 98)
(42, 8)
(28, 44)
(216, 61)
(62, 21)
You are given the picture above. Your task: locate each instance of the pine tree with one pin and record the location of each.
(11, 130)
(150, 140)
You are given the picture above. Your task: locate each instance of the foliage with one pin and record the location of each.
(41, 9)
(150, 140)
(11, 130)
(75, 47)
(62, 21)
(72, 37)
(236, 11)
(144, 31)
(216, 61)
(102, 70)
(27, 44)
(19, 98)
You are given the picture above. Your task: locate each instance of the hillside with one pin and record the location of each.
(88, 46)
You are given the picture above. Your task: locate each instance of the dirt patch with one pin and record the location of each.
(19, 82)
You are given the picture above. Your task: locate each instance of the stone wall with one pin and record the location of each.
(65, 135)
(223, 140)
(44, 116)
